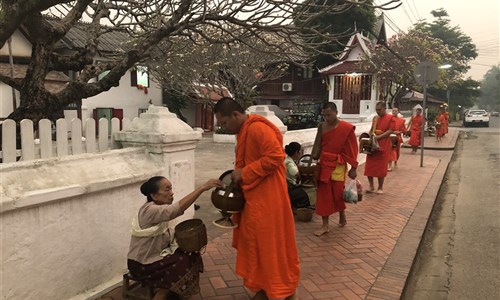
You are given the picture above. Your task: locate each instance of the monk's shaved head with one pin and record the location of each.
(330, 105)
(381, 104)
(226, 106)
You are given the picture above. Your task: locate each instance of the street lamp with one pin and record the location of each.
(425, 73)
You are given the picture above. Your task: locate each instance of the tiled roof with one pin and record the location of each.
(341, 67)
(416, 96)
(211, 92)
(114, 41)
(54, 81)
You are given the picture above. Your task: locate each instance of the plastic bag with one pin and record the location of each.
(351, 192)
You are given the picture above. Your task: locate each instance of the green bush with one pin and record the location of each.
(220, 130)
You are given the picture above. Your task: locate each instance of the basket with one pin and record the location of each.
(306, 171)
(191, 235)
(304, 214)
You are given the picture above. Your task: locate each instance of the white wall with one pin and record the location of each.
(6, 100)
(21, 47)
(65, 221)
(126, 97)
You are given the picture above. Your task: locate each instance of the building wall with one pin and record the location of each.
(125, 97)
(21, 47)
(6, 100)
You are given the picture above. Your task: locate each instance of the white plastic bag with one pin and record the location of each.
(351, 192)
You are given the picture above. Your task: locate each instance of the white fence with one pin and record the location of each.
(71, 138)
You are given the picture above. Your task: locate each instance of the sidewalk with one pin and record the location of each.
(446, 143)
(370, 258)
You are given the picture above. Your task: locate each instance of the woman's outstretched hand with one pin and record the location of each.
(211, 183)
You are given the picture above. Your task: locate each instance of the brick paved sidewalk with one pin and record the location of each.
(358, 261)
(447, 142)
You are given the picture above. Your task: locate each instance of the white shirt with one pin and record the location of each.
(291, 170)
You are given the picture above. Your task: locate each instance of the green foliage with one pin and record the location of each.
(463, 92)
(358, 18)
(175, 102)
(220, 130)
(411, 48)
(490, 89)
(432, 112)
(453, 37)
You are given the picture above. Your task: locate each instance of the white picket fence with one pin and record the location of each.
(71, 138)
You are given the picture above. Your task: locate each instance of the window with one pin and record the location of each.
(139, 76)
(308, 72)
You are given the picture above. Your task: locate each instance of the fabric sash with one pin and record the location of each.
(154, 231)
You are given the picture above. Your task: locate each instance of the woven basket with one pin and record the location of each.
(191, 235)
(304, 214)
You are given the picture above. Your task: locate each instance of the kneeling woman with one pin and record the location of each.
(150, 257)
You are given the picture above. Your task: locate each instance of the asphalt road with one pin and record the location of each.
(459, 257)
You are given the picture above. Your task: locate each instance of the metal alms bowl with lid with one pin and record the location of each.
(228, 201)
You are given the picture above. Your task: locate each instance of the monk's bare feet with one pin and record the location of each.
(379, 192)
(260, 295)
(342, 219)
(370, 190)
(321, 231)
(292, 297)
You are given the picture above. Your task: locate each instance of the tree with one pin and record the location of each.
(236, 67)
(453, 37)
(146, 23)
(356, 18)
(490, 89)
(395, 62)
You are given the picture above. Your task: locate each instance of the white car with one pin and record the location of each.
(477, 116)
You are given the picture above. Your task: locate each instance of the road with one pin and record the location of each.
(459, 257)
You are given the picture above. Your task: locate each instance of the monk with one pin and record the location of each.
(376, 163)
(415, 126)
(400, 130)
(267, 256)
(335, 146)
(439, 124)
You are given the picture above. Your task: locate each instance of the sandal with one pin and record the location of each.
(321, 231)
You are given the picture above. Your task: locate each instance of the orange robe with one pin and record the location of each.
(447, 122)
(400, 126)
(416, 131)
(338, 146)
(376, 163)
(267, 256)
(441, 130)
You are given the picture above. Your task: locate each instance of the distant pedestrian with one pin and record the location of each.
(439, 123)
(335, 146)
(399, 131)
(415, 132)
(383, 125)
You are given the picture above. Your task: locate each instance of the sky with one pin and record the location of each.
(479, 19)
